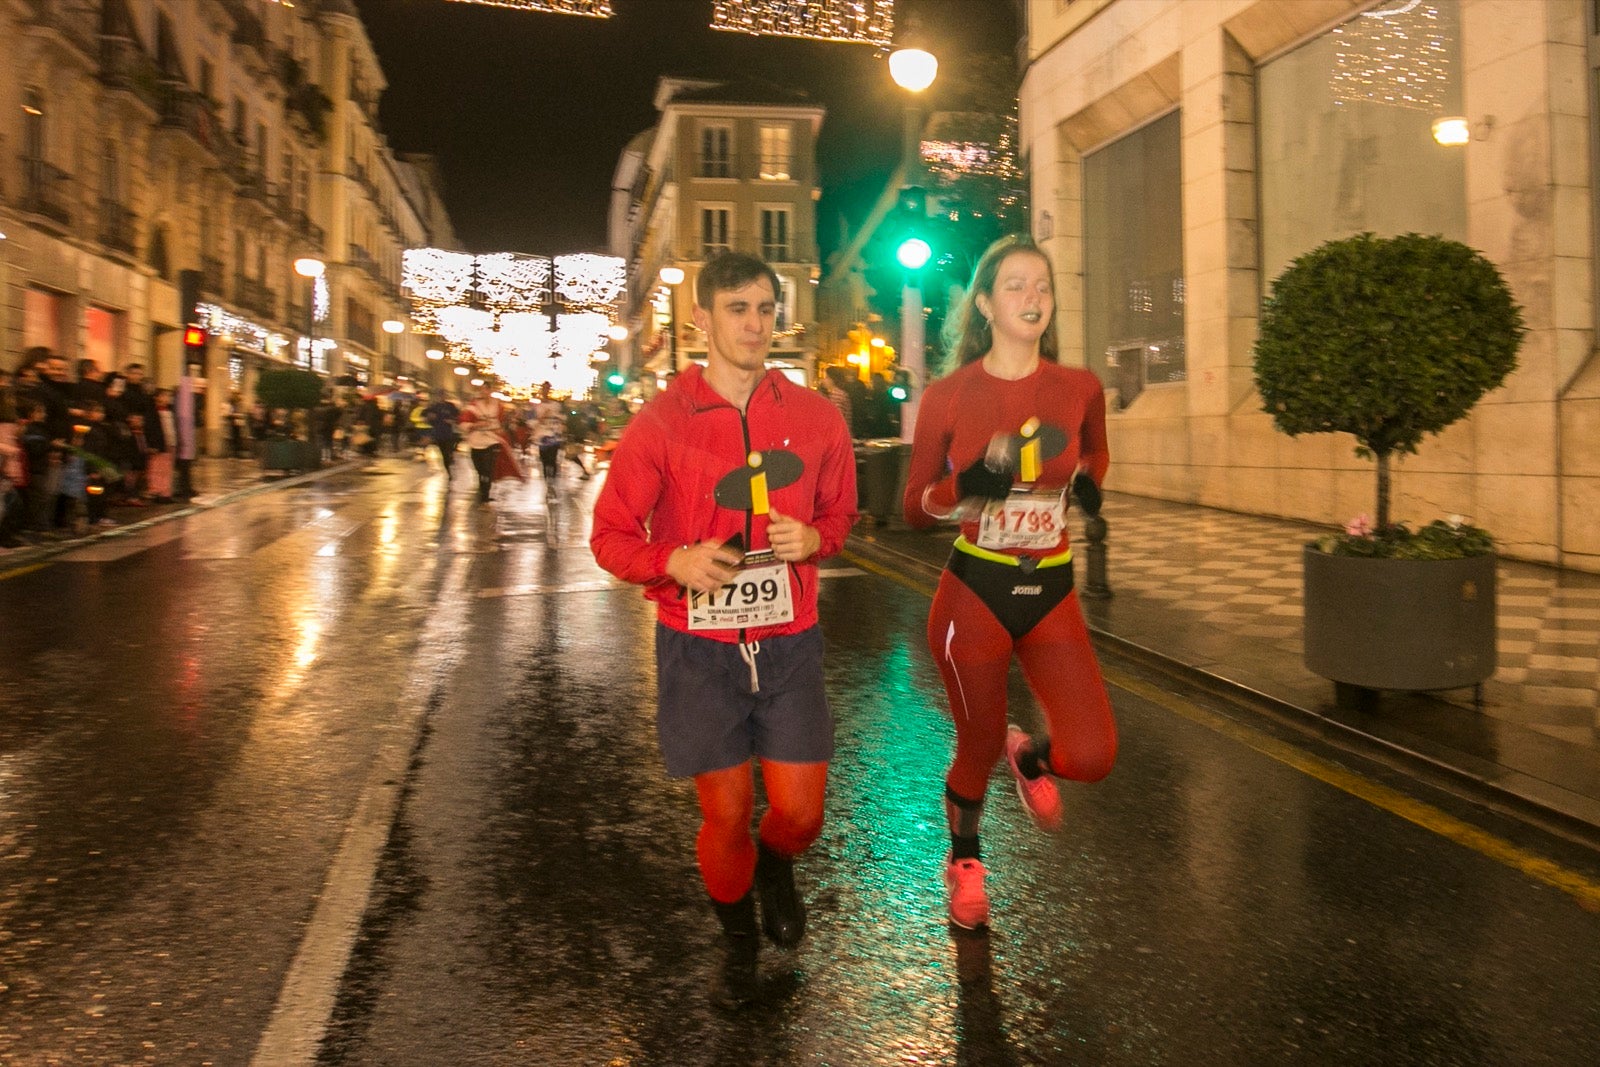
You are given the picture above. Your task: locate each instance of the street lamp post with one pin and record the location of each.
(392, 327)
(310, 268)
(672, 277)
(913, 69)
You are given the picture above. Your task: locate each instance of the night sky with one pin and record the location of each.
(527, 113)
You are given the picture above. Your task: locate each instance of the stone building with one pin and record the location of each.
(729, 166)
(1182, 154)
(170, 160)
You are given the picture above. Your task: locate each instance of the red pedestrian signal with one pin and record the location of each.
(194, 337)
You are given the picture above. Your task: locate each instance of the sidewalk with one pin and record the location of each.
(216, 481)
(1218, 595)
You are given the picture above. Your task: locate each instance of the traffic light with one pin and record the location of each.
(194, 341)
(900, 386)
(911, 244)
(615, 381)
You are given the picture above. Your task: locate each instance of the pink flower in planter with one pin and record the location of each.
(1360, 526)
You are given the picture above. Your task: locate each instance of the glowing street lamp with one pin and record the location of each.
(392, 327)
(310, 268)
(913, 68)
(672, 277)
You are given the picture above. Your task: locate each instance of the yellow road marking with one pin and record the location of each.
(1585, 891)
(20, 571)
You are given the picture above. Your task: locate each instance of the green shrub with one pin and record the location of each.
(289, 387)
(1388, 339)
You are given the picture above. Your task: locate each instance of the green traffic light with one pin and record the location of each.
(898, 392)
(913, 253)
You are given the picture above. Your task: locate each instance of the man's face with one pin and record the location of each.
(56, 369)
(738, 326)
(135, 375)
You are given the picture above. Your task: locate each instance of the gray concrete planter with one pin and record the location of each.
(281, 454)
(1400, 623)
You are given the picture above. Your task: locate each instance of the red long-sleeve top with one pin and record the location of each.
(962, 411)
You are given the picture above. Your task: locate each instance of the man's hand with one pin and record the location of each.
(791, 539)
(704, 566)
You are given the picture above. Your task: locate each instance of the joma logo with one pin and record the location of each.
(1026, 590)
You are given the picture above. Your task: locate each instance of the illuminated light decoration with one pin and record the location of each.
(241, 332)
(493, 312)
(599, 9)
(1396, 54)
(848, 21)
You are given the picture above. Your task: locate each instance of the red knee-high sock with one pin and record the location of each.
(726, 853)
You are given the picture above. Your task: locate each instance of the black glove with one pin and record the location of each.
(979, 481)
(1087, 492)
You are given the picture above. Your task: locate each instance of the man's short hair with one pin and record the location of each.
(731, 270)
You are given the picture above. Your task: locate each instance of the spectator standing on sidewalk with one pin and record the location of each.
(161, 437)
(1000, 442)
(730, 456)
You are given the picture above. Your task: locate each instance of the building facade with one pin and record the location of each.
(728, 166)
(166, 161)
(1182, 155)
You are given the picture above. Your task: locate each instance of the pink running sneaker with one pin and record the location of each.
(1039, 795)
(969, 904)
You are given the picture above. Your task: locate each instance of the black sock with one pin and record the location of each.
(964, 848)
(1035, 759)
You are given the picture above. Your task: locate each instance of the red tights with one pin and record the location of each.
(727, 800)
(974, 655)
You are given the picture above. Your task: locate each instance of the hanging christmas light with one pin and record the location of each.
(600, 9)
(850, 21)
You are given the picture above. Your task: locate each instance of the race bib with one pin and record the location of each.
(758, 596)
(1028, 518)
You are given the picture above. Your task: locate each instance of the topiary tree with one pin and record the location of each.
(1384, 338)
(289, 388)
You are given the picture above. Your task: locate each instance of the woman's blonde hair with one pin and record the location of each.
(966, 330)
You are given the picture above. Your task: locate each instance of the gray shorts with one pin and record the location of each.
(708, 719)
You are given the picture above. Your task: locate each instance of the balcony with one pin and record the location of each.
(185, 111)
(360, 257)
(75, 22)
(252, 294)
(44, 191)
(117, 226)
(211, 276)
(125, 66)
(302, 224)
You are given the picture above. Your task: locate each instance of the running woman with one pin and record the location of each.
(1001, 442)
(731, 457)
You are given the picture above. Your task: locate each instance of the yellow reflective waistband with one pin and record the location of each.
(963, 545)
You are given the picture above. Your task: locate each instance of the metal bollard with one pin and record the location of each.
(1095, 586)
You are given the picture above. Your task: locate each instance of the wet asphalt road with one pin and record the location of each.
(198, 719)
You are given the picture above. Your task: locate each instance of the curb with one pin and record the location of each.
(35, 554)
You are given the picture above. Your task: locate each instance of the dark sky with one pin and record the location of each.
(528, 112)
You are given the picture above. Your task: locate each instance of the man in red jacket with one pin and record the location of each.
(723, 494)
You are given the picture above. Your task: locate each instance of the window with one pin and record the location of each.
(1342, 115)
(714, 230)
(1133, 260)
(775, 235)
(33, 126)
(784, 320)
(716, 150)
(238, 120)
(207, 79)
(775, 153)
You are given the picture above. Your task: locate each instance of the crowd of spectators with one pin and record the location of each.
(77, 442)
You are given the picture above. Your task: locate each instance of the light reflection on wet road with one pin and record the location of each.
(190, 725)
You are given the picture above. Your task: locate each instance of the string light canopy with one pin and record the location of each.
(600, 9)
(849, 21)
(495, 312)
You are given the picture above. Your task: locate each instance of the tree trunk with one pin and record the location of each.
(1383, 490)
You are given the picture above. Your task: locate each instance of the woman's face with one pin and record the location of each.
(1022, 303)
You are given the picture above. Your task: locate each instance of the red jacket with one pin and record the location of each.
(658, 495)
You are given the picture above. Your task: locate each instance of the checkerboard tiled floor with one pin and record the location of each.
(1239, 576)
